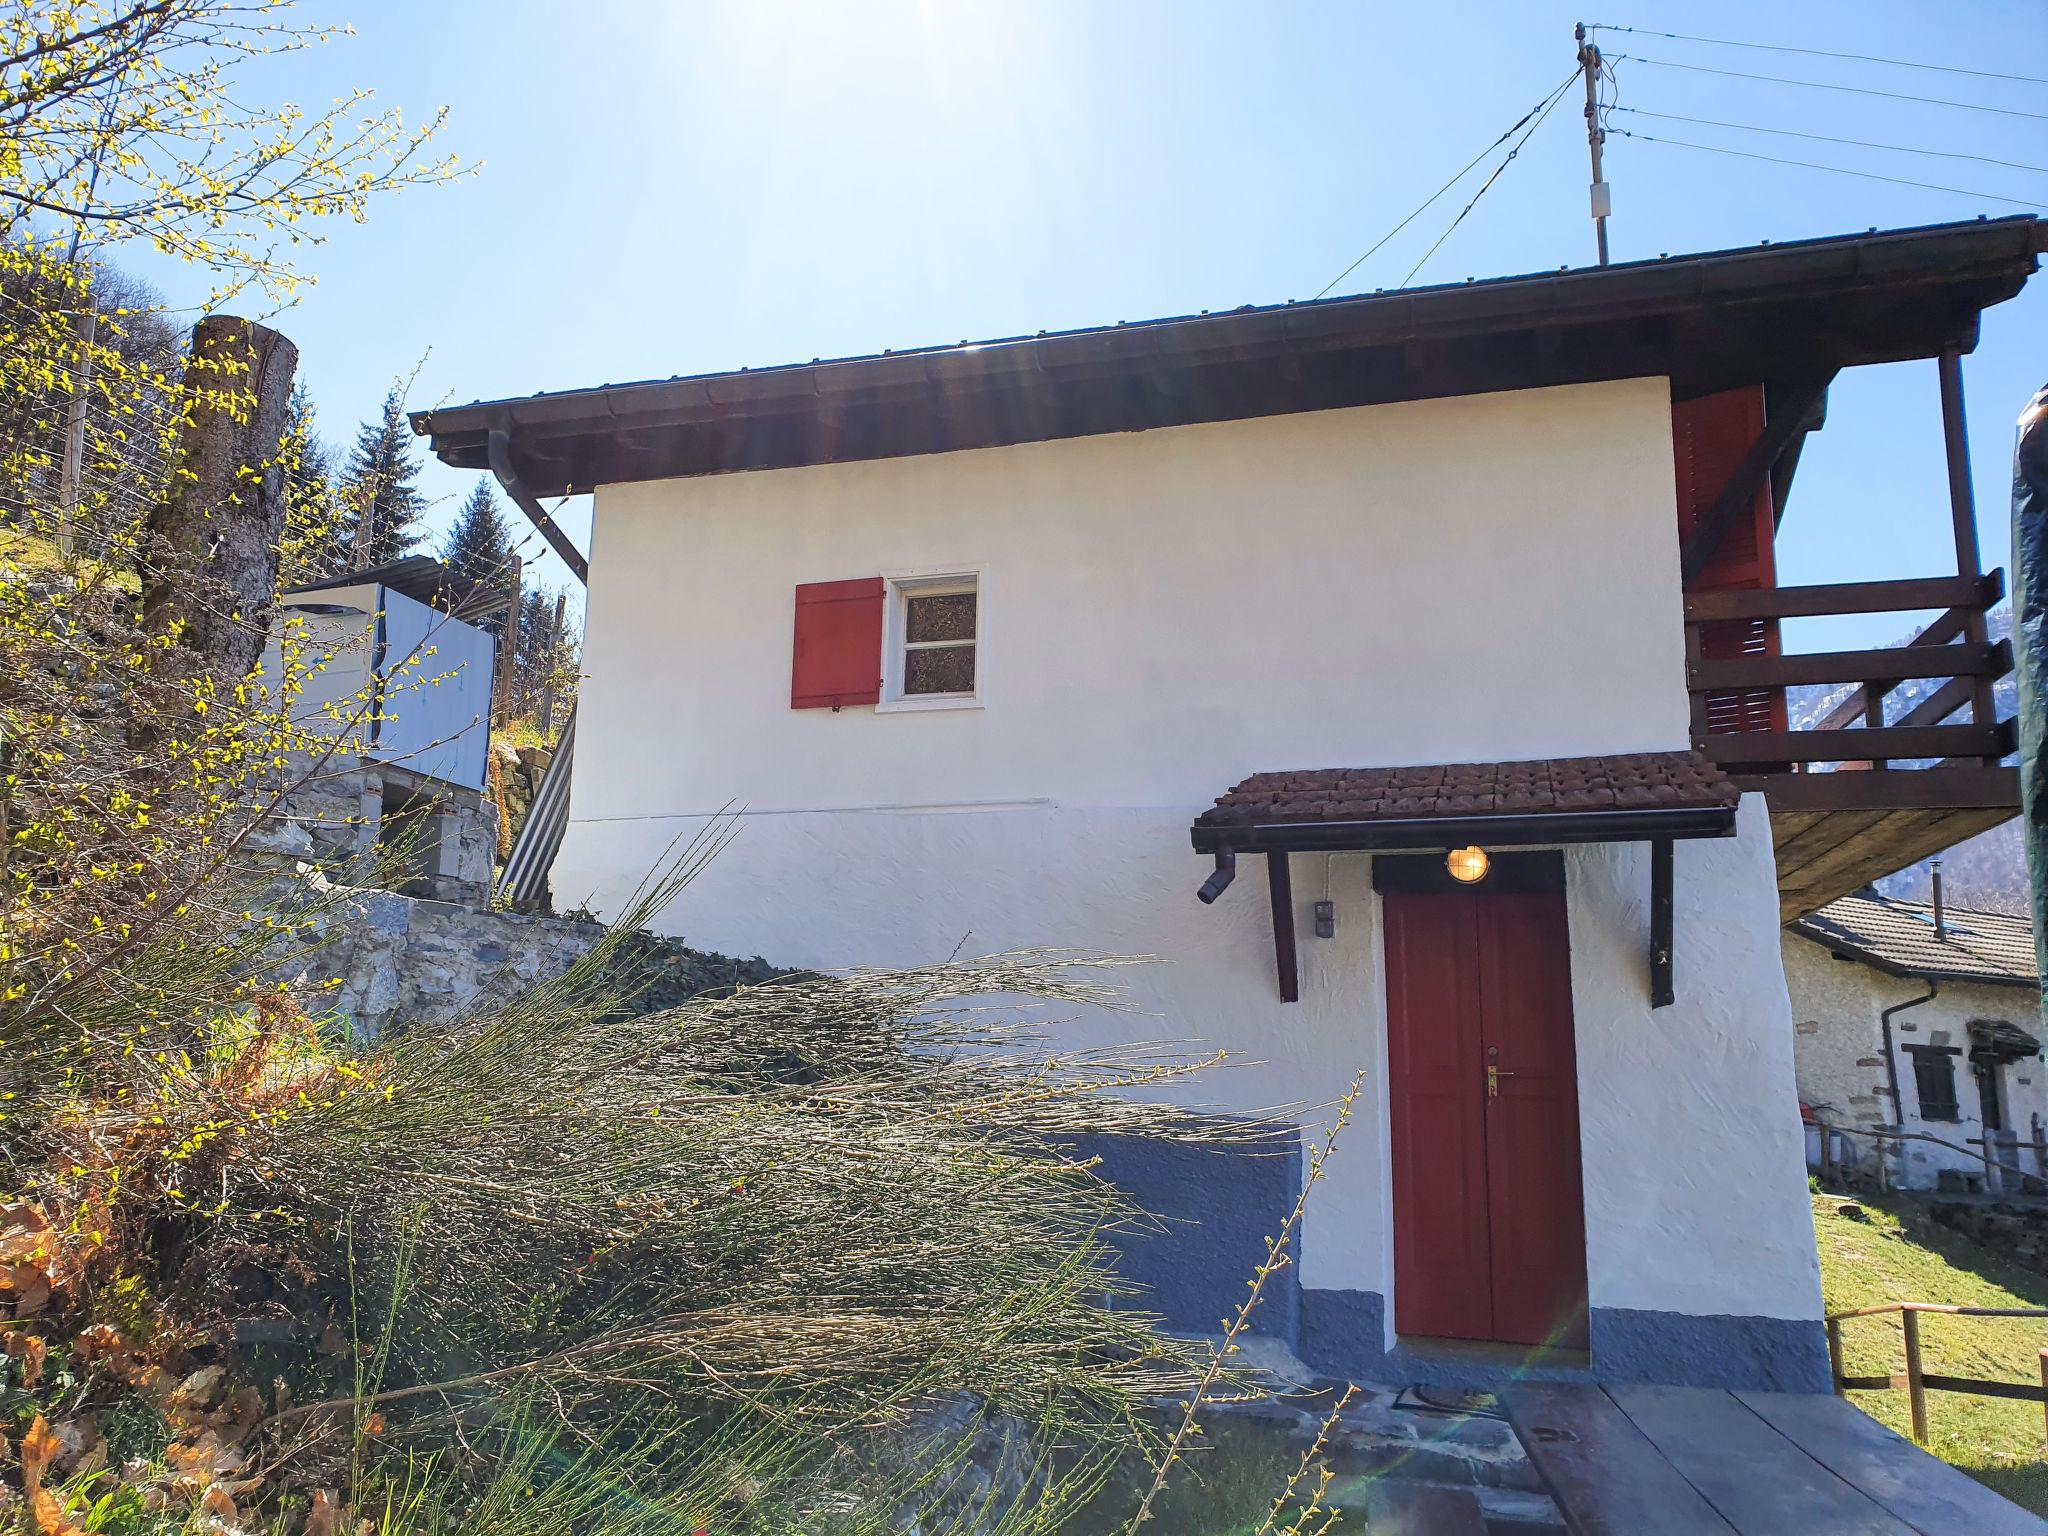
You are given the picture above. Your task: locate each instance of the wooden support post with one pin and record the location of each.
(1662, 990)
(2044, 1390)
(508, 640)
(1916, 1383)
(1280, 885)
(1835, 1355)
(553, 658)
(1962, 505)
(1697, 694)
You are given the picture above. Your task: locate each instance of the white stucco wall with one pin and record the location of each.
(1164, 613)
(1839, 1051)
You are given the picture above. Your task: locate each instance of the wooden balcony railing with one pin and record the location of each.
(1856, 731)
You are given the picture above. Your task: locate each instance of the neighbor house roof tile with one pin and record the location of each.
(1899, 937)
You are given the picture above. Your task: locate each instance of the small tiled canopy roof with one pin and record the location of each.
(1996, 948)
(1649, 781)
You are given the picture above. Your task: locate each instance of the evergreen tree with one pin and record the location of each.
(378, 484)
(543, 656)
(315, 533)
(479, 545)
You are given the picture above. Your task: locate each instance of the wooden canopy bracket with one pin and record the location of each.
(1280, 885)
(1791, 412)
(1662, 991)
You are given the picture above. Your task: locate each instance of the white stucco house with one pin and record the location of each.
(1924, 1022)
(1223, 640)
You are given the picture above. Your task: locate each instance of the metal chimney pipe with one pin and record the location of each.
(1940, 915)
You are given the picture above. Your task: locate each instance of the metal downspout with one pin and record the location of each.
(1891, 1056)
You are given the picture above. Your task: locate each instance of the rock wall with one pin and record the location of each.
(402, 958)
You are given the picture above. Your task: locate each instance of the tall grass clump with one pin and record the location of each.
(811, 1255)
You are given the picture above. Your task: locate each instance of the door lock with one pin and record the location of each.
(1493, 1077)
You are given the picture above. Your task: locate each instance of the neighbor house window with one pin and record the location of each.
(1934, 1079)
(934, 646)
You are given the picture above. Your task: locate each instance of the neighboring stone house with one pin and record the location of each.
(1910, 1018)
(1400, 670)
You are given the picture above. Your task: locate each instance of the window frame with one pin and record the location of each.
(1923, 1057)
(901, 587)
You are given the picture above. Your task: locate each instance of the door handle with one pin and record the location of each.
(1493, 1077)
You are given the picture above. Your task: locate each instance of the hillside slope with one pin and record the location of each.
(1895, 1253)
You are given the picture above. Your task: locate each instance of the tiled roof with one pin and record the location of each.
(1898, 936)
(1635, 781)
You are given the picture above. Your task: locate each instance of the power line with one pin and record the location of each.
(1819, 53)
(1440, 239)
(1822, 85)
(1825, 138)
(1541, 106)
(1839, 170)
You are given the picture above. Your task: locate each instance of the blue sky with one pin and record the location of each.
(678, 187)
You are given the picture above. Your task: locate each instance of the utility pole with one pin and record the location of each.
(1589, 61)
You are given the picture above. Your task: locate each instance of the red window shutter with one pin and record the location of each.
(837, 658)
(1709, 437)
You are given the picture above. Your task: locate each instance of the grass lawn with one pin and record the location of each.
(1897, 1254)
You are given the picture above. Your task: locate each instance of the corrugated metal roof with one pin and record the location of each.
(1899, 937)
(423, 579)
(1708, 321)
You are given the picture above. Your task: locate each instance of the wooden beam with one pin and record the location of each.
(1962, 504)
(1940, 704)
(1786, 467)
(1787, 417)
(1662, 994)
(1964, 788)
(1978, 592)
(1280, 886)
(1992, 741)
(1889, 665)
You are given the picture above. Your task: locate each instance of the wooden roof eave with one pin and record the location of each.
(1660, 827)
(1545, 829)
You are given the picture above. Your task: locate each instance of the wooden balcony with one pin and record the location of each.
(1846, 809)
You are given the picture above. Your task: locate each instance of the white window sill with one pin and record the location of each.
(925, 705)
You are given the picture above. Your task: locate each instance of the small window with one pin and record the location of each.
(935, 630)
(1934, 1079)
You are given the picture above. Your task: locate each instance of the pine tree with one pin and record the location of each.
(378, 484)
(479, 545)
(543, 656)
(315, 540)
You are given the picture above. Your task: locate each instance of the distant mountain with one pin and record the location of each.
(1989, 871)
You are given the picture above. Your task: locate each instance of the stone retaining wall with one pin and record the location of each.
(426, 962)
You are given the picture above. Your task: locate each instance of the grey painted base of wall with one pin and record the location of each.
(1342, 1333)
(1211, 1209)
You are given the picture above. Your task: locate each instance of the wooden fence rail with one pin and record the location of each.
(1915, 1379)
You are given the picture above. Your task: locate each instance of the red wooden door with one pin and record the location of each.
(1489, 1225)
